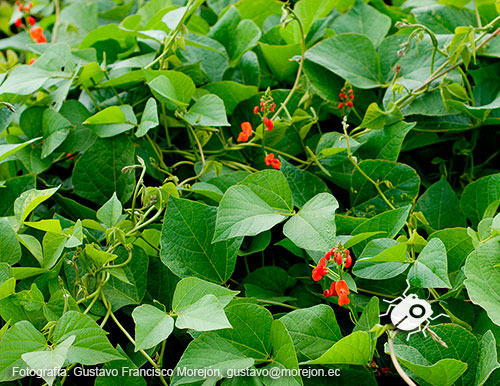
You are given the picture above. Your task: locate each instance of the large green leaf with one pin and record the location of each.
(208, 111)
(98, 173)
(49, 362)
(152, 326)
(458, 360)
(205, 314)
(313, 330)
(231, 93)
(259, 202)
(173, 86)
(186, 242)
(20, 339)
(304, 185)
(399, 183)
(10, 250)
(313, 228)
(488, 358)
(251, 332)
(120, 293)
(149, 118)
(112, 121)
(440, 206)
(483, 278)
(353, 349)
(350, 56)
(430, 270)
(188, 291)
(9, 149)
(364, 20)
(91, 346)
(29, 200)
(478, 195)
(207, 353)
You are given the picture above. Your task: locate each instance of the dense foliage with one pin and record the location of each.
(222, 185)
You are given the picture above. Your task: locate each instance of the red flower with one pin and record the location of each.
(338, 257)
(242, 137)
(331, 291)
(36, 34)
(256, 110)
(31, 20)
(18, 22)
(342, 291)
(341, 104)
(247, 128)
(31, 61)
(269, 158)
(348, 259)
(349, 103)
(273, 106)
(320, 270)
(274, 162)
(341, 95)
(328, 254)
(351, 96)
(268, 123)
(21, 8)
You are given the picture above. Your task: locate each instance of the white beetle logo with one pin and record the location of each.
(410, 313)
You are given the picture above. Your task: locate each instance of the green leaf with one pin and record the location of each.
(20, 339)
(304, 185)
(478, 195)
(186, 242)
(97, 256)
(50, 225)
(55, 128)
(488, 358)
(382, 251)
(251, 332)
(375, 118)
(173, 86)
(444, 20)
(353, 349)
(91, 346)
(389, 222)
(284, 351)
(205, 314)
(7, 288)
(98, 172)
(53, 246)
(243, 38)
(399, 183)
(110, 213)
(313, 228)
(14, 187)
(350, 56)
(386, 143)
(313, 330)
(458, 361)
(112, 121)
(277, 57)
(440, 206)
(10, 250)
(49, 362)
(149, 118)
(207, 111)
(25, 80)
(259, 202)
(364, 20)
(188, 291)
(370, 316)
(120, 293)
(29, 200)
(483, 278)
(268, 283)
(430, 270)
(152, 326)
(231, 93)
(209, 353)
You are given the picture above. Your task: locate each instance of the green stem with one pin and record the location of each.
(399, 369)
(94, 101)
(272, 302)
(301, 63)
(165, 125)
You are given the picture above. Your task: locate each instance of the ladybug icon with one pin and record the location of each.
(410, 313)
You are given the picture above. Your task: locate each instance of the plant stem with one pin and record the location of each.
(277, 304)
(56, 24)
(301, 64)
(399, 369)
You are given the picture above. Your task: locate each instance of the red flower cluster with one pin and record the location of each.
(274, 162)
(246, 132)
(266, 106)
(338, 256)
(340, 289)
(23, 8)
(37, 35)
(346, 97)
